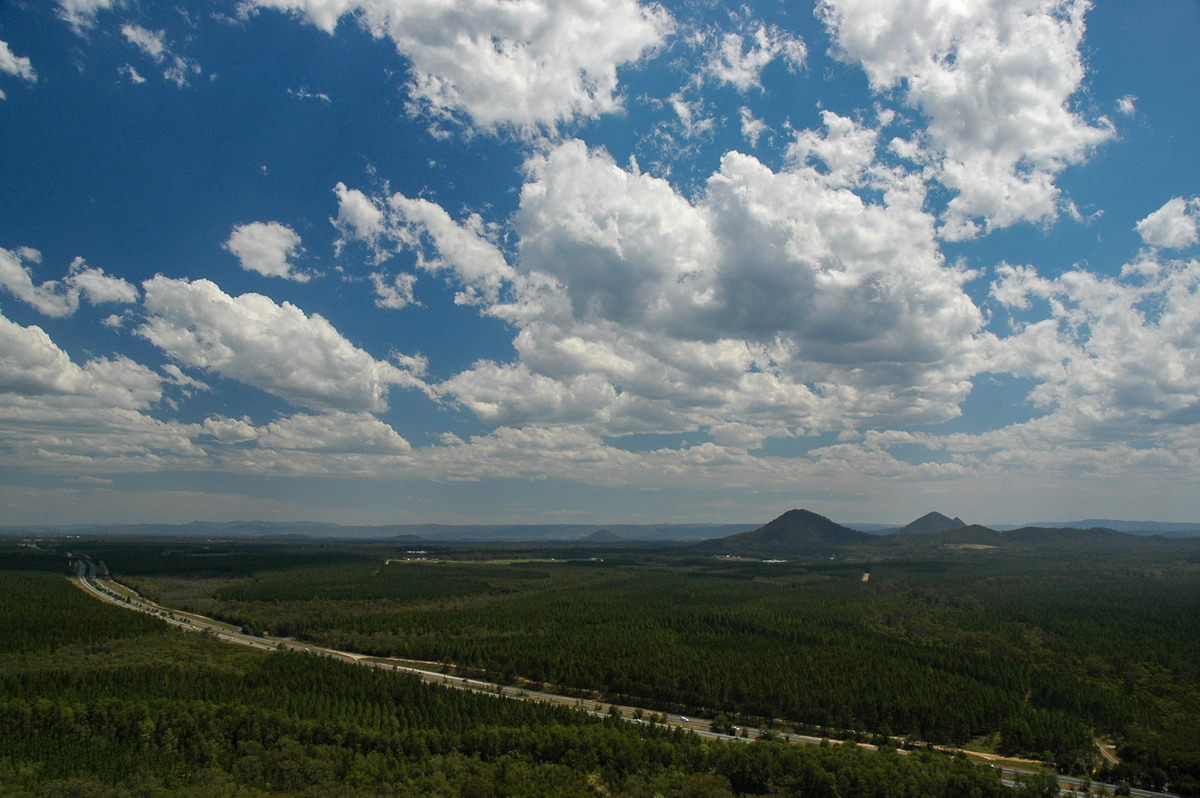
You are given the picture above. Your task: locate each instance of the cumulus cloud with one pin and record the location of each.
(464, 249)
(511, 394)
(275, 347)
(331, 442)
(575, 452)
(33, 367)
(1115, 356)
(694, 122)
(97, 286)
(230, 431)
(81, 14)
(267, 248)
(564, 451)
(780, 299)
(55, 298)
(752, 128)
(56, 413)
(151, 42)
(334, 432)
(766, 302)
(359, 218)
(846, 148)
(189, 384)
(395, 292)
(739, 57)
(995, 80)
(1173, 226)
(520, 65)
(132, 74)
(14, 65)
(444, 244)
(112, 439)
(181, 69)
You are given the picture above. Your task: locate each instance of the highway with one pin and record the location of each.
(125, 597)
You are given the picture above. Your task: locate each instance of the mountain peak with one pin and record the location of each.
(801, 516)
(931, 523)
(793, 533)
(601, 536)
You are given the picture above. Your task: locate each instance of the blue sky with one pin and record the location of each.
(598, 261)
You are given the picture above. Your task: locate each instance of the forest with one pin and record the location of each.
(1039, 657)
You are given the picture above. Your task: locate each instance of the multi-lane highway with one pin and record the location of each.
(122, 596)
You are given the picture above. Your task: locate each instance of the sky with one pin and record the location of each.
(598, 261)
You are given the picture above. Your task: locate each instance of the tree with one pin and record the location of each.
(1037, 785)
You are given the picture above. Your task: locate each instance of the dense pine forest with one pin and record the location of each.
(1035, 656)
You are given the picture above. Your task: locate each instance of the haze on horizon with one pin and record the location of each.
(479, 262)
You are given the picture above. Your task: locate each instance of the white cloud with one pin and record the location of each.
(97, 286)
(277, 348)
(33, 367)
(151, 42)
(230, 431)
(176, 376)
(465, 250)
(845, 147)
(752, 129)
(995, 80)
(739, 57)
(565, 451)
(333, 432)
(267, 248)
(1127, 105)
(58, 299)
(395, 293)
(85, 480)
(1117, 358)
(81, 14)
(359, 218)
(781, 301)
(521, 64)
(1172, 226)
(303, 93)
(180, 70)
(14, 65)
(693, 123)
(66, 440)
(501, 395)
(134, 76)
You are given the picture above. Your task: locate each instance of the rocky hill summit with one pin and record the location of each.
(931, 523)
(796, 532)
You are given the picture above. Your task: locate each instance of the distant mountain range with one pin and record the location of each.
(802, 533)
(503, 533)
(1171, 530)
(801, 530)
(1132, 527)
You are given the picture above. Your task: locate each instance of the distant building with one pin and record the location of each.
(866, 576)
